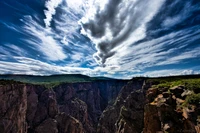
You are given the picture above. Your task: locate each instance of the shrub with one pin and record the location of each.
(192, 99)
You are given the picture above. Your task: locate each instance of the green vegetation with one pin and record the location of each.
(6, 82)
(52, 81)
(192, 99)
(191, 84)
(46, 79)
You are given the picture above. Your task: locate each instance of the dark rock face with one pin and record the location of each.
(96, 107)
(164, 113)
(132, 113)
(86, 101)
(50, 123)
(67, 108)
(68, 124)
(13, 102)
(119, 116)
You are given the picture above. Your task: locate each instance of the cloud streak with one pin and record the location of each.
(35, 67)
(42, 39)
(115, 38)
(51, 6)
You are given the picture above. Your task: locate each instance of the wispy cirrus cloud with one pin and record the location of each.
(30, 66)
(101, 37)
(43, 39)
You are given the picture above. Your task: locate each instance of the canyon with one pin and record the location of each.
(100, 106)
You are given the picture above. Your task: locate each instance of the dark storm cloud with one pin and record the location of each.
(121, 18)
(97, 26)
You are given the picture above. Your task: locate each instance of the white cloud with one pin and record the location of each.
(43, 40)
(170, 72)
(155, 52)
(51, 6)
(25, 65)
(119, 24)
(114, 26)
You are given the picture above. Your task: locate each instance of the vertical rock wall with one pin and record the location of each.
(13, 106)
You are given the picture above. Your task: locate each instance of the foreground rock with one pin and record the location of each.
(167, 114)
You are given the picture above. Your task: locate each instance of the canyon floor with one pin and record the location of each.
(81, 104)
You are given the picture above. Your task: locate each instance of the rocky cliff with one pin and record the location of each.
(168, 111)
(13, 107)
(113, 106)
(127, 105)
(66, 108)
(165, 106)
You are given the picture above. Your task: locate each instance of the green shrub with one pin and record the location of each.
(191, 84)
(163, 85)
(192, 99)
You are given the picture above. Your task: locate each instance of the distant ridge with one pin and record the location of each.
(39, 79)
(73, 78)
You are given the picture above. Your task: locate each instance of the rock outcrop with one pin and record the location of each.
(113, 106)
(86, 101)
(165, 113)
(68, 124)
(13, 106)
(67, 108)
(132, 113)
(120, 115)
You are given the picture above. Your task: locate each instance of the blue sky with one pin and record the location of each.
(119, 39)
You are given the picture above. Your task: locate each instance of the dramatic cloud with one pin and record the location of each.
(119, 24)
(114, 38)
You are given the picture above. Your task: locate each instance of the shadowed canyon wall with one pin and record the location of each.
(114, 106)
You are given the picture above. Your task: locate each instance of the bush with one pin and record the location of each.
(192, 99)
(190, 84)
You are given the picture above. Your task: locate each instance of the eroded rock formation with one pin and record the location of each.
(165, 113)
(97, 107)
(67, 108)
(13, 107)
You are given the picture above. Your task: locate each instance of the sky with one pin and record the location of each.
(112, 38)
